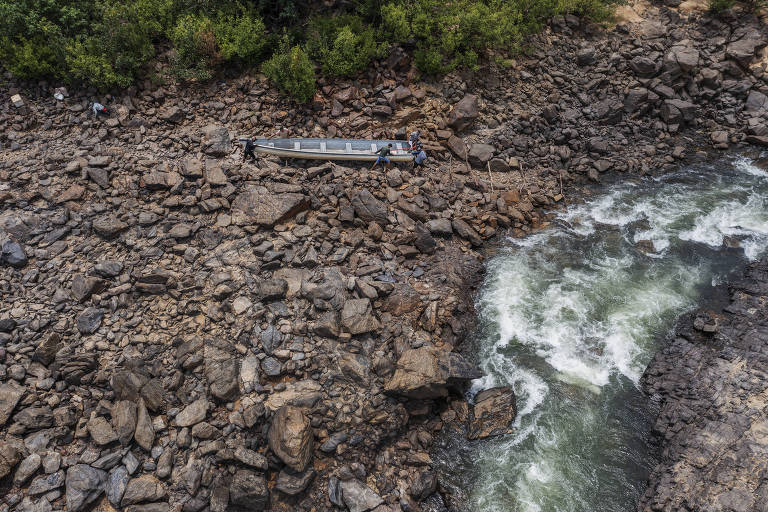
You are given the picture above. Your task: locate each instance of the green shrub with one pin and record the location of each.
(195, 44)
(87, 63)
(342, 44)
(243, 38)
(292, 71)
(719, 6)
(394, 22)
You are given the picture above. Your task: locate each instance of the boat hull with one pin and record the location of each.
(332, 149)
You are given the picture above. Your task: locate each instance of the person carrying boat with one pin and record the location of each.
(248, 151)
(383, 157)
(417, 150)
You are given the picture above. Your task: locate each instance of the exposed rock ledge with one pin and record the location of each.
(712, 385)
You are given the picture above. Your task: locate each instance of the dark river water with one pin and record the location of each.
(571, 316)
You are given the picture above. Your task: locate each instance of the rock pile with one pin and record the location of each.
(180, 330)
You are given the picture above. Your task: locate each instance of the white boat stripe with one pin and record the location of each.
(322, 147)
(349, 147)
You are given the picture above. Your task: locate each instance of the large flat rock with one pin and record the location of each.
(257, 205)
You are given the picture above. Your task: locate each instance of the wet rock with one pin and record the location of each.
(464, 113)
(256, 205)
(429, 372)
(492, 414)
(215, 141)
(291, 438)
(248, 490)
(143, 489)
(293, 484)
(358, 497)
(84, 485)
(424, 484)
(89, 321)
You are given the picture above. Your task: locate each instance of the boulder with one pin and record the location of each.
(10, 394)
(357, 317)
(358, 497)
(684, 57)
(466, 232)
(492, 414)
(369, 208)
(457, 147)
(89, 320)
(440, 227)
(145, 432)
(464, 113)
(257, 205)
(644, 67)
(585, 57)
(292, 483)
(193, 413)
(221, 371)
(635, 99)
(101, 431)
(743, 45)
(145, 488)
(215, 141)
(248, 490)
(678, 111)
(109, 226)
(290, 437)
(124, 420)
(172, 114)
(13, 254)
(84, 485)
(10, 455)
(429, 372)
(480, 153)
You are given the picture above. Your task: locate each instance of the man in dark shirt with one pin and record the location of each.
(249, 145)
(383, 156)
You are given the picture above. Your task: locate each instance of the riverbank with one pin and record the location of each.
(709, 383)
(182, 330)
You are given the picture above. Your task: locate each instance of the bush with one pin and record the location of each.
(244, 38)
(343, 45)
(195, 45)
(719, 6)
(292, 71)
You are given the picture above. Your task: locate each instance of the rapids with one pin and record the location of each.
(570, 317)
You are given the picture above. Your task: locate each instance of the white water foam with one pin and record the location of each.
(577, 307)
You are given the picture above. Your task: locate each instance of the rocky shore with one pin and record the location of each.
(183, 331)
(710, 382)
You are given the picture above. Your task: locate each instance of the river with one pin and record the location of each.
(571, 316)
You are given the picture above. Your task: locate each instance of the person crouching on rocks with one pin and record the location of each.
(98, 108)
(383, 157)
